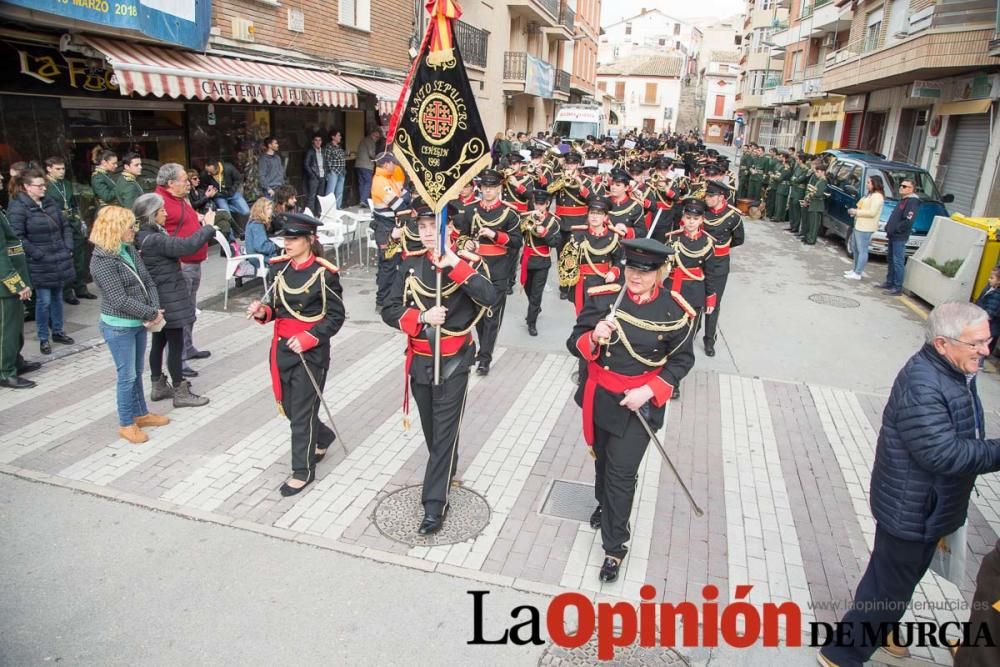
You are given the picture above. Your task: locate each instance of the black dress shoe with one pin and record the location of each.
(595, 519)
(62, 338)
(431, 524)
(676, 393)
(609, 570)
(709, 347)
(532, 331)
(45, 347)
(287, 490)
(510, 290)
(563, 296)
(28, 367)
(200, 354)
(483, 369)
(71, 300)
(321, 452)
(85, 295)
(188, 372)
(15, 382)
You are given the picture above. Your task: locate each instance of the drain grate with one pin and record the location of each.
(626, 656)
(835, 301)
(570, 500)
(398, 514)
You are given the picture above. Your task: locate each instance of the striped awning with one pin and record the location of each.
(386, 92)
(162, 72)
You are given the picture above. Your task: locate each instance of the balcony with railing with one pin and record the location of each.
(515, 66)
(562, 82)
(544, 12)
(473, 42)
(567, 17)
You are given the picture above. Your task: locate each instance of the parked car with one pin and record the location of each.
(846, 178)
(832, 154)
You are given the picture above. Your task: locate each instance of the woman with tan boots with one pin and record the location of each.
(129, 307)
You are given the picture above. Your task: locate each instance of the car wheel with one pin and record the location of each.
(848, 246)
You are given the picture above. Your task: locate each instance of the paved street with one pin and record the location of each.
(774, 436)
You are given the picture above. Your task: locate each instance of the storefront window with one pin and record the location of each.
(31, 129)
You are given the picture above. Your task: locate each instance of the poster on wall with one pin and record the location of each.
(539, 78)
(180, 22)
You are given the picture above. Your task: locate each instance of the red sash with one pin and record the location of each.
(571, 210)
(491, 250)
(616, 383)
(721, 250)
(529, 252)
(450, 346)
(679, 277)
(284, 327)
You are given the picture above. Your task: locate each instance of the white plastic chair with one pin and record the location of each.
(332, 236)
(328, 209)
(372, 244)
(233, 263)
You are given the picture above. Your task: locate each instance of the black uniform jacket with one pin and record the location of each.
(506, 223)
(466, 292)
(651, 347)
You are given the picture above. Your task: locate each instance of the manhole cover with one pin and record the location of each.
(570, 500)
(398, 515)
(833, 300)
(628, 656)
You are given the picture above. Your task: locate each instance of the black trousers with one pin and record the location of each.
(173, 340)
(488, 327)
(616, 473)
(894, 570)
(386, 267)
(441, 407)
(301, 404)
(534, 288)
(712, 319)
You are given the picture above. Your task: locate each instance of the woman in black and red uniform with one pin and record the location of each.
(308, 310)
(635, 358)
(597, 249)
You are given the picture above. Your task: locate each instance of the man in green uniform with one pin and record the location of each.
(815, 204)
(757, 173)
(782, 188)
(103, 180)
(797, 191)
(14, 291)
(128, 188)
(61, 191)
(771, 183)
(744, 172)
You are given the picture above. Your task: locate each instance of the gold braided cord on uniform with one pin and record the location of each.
(721, 219)
(693, 254)
(415, 289)
(647, 325)
(281, 287)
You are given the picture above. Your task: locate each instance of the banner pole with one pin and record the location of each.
(442, 245)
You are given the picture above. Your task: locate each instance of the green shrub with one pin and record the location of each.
(949, 268)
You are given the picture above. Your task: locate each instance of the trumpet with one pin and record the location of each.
(529, 220)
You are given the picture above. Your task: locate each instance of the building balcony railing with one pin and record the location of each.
(814, 71)
(567, 17)
(473, 42)
(552, 6)
(773, 80)
(562, 81)
(515, 65)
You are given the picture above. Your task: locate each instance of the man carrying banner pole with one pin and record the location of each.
(437, 136)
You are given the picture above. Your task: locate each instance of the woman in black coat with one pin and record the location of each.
(48, 243)
(161, 254)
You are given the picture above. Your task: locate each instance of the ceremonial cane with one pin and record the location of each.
(274, 282)
(329, 415)
(663, 452)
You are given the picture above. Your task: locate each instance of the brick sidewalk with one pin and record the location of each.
(782, 471)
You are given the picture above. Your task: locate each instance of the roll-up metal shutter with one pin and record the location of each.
(853, 130)
(966, 151)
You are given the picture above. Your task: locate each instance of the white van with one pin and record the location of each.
(577, 121)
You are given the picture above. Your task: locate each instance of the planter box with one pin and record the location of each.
(946, 240)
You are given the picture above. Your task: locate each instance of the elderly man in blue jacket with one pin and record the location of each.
(897, 230)
(931, 447)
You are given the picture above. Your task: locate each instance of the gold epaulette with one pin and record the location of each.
(327, 264)
(278, 259)
(608, 288)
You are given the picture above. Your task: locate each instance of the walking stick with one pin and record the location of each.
(663, 453)
(329, 415)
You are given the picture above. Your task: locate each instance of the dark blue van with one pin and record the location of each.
(846, 176)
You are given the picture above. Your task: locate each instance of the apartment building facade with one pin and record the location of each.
(647, 33)
(646, 90)
(719, 80)
(760, 67)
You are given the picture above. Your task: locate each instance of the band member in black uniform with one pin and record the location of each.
(465, 296)
(594, 255)
(539, 171)
(662, 197)
(626, 214)
(724, 224)
(541, 233)
(571, 202)
(466, 198)
(307, 308)
(492, 229)
(695, 270)
(517, 184)
(635, 359)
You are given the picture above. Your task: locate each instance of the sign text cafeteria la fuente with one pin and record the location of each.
(230, 90)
